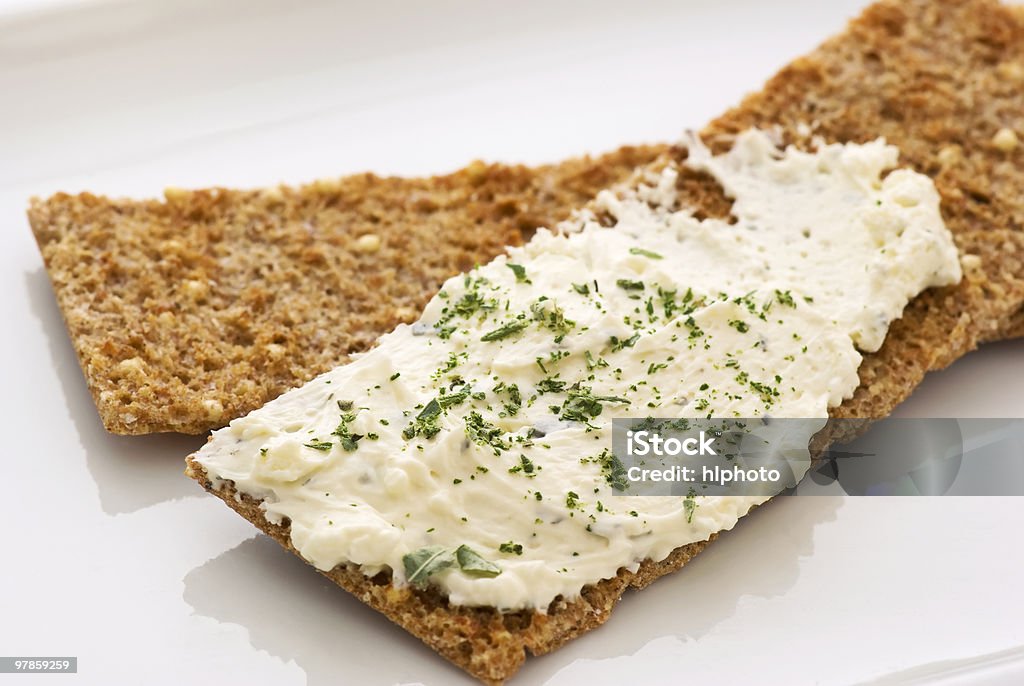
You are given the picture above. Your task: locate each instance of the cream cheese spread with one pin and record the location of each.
(470, 449)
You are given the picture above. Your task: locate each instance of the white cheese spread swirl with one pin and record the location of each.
(485, 426)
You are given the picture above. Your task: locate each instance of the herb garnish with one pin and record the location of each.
(349, 440)
(471, 302)
(515, 398)
(612, 469)
(582, 405)
(505, 331)
(473, 564)
(425, 423)
(689, 505)
(785, 298)
(520, 272)
(618, 344)
(551, 317)
(525, 466)
(593, 364)
(645, 253)
(550, 385)
(422, 564)
(629, 285)
(482, 432)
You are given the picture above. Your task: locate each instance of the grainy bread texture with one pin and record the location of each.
(190, 312)
(938, 79)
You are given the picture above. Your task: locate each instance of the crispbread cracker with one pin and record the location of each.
(190, 312)
(926, 75)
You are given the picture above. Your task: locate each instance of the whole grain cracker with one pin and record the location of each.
(192, 311)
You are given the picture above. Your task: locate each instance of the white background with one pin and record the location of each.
(112, 555)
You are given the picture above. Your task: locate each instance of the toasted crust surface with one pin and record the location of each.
(939, 80)
(189, 312)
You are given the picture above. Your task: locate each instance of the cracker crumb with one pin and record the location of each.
(173, 194)
(132, 366)
(368, 243)
(949, 155)
(970, 262)
(1005, 140)
(1011, 71)
(194, 288)
(214, 409)
(406, 314)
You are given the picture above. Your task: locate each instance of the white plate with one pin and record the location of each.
(113, 556)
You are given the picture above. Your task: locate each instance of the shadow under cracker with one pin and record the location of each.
(131, 472)
(293, 613)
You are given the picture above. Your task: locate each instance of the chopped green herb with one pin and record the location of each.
(689, 505)
(421, 564)
(505, 331)
(525, 466)
(582, 404)
(482, 432)
(619, 344)
(695, 331)
(645, 253)
(473, 564)
(451, 399)
(593, 364)
(451, 363)
(349, 440)
(550, 385)
(515, 399)
(520, 272)
(471, 303)
(785, 298)
(551, 317)
(628, 285)
(767, 393)
(612, 469)
(425, 423)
